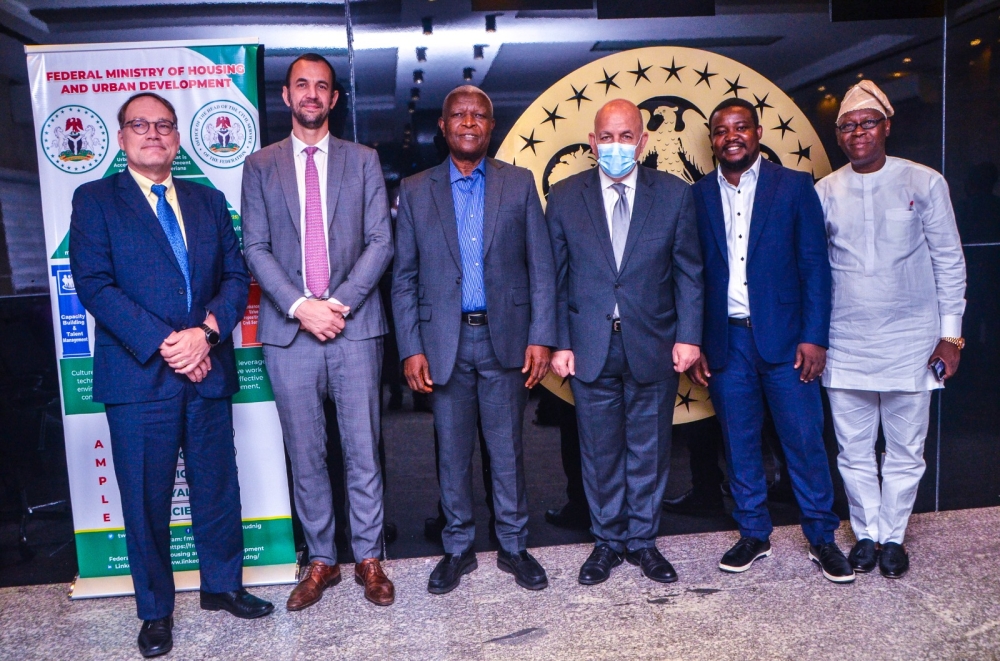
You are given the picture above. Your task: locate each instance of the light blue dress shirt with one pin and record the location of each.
(468, 194)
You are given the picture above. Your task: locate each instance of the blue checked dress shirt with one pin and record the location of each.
(468, 194)
(168, 221)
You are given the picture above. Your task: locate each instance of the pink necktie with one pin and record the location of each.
(317, 266)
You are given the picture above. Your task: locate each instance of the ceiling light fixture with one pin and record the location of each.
(907, 60)
(975, 42)
(411, 107)
(478, 51)
(821, 88)
(467, 73)
(491, 22)
(428, 22)
(421, 53)
(418, 76)
(415, 93)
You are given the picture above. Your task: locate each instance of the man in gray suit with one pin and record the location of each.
(317, 238)
(474, 302)
(629, 308)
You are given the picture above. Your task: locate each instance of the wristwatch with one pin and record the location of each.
(210, 334)
(957, 341)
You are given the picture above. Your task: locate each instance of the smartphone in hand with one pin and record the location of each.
(937, 365)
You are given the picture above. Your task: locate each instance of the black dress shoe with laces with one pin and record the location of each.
(527, 572)
(598, 566)
(653, 565)
(864, 556)
(155, 637)
(449, 571)
(240, 603)
(832, 561)
(744, 553)
(893, 562)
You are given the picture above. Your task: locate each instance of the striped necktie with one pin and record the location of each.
(317, 264)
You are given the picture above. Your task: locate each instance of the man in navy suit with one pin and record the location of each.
(767, 322)
(157, 263)
(628, 307)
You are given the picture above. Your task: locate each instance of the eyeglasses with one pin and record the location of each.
(868, 125)
(141, 126)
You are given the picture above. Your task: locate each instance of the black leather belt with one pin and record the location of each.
(743, 322)
(616, 326)
(474, 318)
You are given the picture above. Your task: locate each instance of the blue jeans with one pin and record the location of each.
(738, 391)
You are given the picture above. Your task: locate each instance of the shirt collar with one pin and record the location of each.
(146, 184)
(748, 177)
(323, 145)
(629, 180)
(456, 174)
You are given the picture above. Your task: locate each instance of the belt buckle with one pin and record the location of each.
(616, 326)
(476, 318)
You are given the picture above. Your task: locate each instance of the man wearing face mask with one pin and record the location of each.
(628, 307)
(899, 296)
(767, 321)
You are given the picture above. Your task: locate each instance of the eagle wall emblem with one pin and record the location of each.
(74, 139)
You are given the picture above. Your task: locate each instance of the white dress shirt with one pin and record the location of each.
(898, 275)
(320, 159)
(611, 199)
(737, 207)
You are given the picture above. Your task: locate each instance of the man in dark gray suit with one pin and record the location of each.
(629, 308)
(317, 237)
(474, 302)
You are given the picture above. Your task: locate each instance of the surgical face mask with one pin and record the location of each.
(616, 159)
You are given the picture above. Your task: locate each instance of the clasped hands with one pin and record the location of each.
(809, 358)
(186, 351)
(323, 318)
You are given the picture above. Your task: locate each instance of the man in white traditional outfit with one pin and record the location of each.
(898, 299)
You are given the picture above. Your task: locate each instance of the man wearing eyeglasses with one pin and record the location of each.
(156, 262)
(896, 325)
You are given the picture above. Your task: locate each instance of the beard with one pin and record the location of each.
(308, 122)
(742, 164)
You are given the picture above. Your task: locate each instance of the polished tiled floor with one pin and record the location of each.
(947, 607)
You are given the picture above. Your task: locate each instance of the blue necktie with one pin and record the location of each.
(168, 221)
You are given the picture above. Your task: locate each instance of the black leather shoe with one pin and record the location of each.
(155, 637)
(894, 561)
(864, 556)
(654, 566)
(569, 517)
(449, 570)
(240, 603)
(831, 560)
(598, 566)
(526, 570)
(691, 504)
(744, 553)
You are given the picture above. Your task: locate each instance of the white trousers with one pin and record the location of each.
(880, 514)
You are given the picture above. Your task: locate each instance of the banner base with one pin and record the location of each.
(184, 581)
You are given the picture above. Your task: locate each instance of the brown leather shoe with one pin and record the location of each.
(314, 578)
(378, 587)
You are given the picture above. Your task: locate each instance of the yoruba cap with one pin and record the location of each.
(864, 95)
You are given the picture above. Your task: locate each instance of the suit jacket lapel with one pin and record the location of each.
(285, 157)
(445, 203)
(491, 203)
(642, 204)
(712, 197)
(131, 194)
(336, 161)
(767, 184)
(594, 199)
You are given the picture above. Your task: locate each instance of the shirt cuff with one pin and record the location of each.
(295, 306)
(951, 325)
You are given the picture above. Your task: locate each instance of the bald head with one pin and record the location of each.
(619, 112)
(618, 122)
(465, 90)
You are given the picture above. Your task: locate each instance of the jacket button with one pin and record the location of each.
(298, 272)
(180, 291)
(618, 285)
(458, 280)
(609, 317)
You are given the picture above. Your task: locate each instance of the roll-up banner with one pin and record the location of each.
(76, 92)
